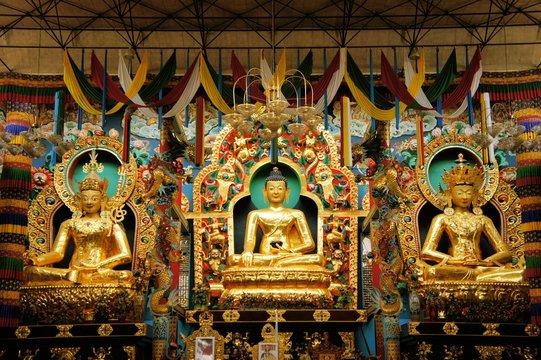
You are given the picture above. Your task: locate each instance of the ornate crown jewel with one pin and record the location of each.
(463, 174)
(92, 181)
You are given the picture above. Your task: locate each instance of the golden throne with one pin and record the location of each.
(62, 301)
(443, 291)
(231, 186)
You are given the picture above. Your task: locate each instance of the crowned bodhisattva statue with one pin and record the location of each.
(464, 227)
(100, 242)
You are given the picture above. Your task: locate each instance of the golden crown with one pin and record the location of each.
(92, 181)
(464, 174)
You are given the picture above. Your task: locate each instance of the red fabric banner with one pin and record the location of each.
(114, 92)
(462, 89)
(173, 95)
(393, 83)
(321, 86)
(240, 73)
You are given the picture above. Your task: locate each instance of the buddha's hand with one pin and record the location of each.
(84, 264)
(247, 258)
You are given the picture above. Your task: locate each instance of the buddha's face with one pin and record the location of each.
(276, 191)
(91, 201)
(462, 195)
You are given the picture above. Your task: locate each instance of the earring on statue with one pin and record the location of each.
(476, 209)
(449, 208)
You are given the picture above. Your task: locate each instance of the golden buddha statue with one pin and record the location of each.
(286, 240)
(283, 269)
(100, 241)
(464, 227)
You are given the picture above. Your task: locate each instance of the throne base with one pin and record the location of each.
(72, 304)
(475, 301)
(267, 287)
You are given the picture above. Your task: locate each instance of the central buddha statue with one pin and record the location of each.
(284, 270)
(286, 240)
(464, 259)
(100, 244)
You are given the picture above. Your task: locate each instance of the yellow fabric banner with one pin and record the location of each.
(78, 95)
(388, 115)
(211, 89)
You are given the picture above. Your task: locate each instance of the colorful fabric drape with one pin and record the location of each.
(186, 91)
(80, 88)
(30, 94)
(175, 93)
(442, 83)
(335, 73)
(125, 81)
(227, 92)
(385, 114)
(395, 86)
(329, 82)
(462, 89)
(529, 190)
(473, 89)
(211, 88)
(77, 92)
(240, 73)
(181, 94)
(269, 78)
(98, 74)
(161, 80)
(280, 72)
(360, 81)
(296, 81)
(113, 91)
(508, 92)
(15, 188)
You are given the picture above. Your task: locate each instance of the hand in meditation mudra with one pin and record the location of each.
(464, 260)
(286, 237)
(100, 243)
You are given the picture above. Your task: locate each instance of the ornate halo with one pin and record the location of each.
(70, 170)
(440, 154)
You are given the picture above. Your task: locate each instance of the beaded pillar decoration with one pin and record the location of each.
(15, 188)
(529, 191)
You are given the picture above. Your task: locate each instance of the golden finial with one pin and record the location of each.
(93, 166)
(92, 181)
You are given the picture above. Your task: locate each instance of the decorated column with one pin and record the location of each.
(529, 191)
(15, 188)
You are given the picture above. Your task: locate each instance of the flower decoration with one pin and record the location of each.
(144, 172)
(41, 177)
(113, 133)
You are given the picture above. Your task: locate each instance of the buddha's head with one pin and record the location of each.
(92, 190)
(463, 183)
(276, 190)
